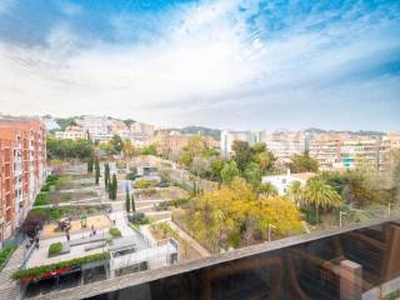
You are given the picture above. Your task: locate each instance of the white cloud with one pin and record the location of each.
(204, 67)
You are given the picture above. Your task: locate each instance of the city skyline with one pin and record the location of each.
(243, 64)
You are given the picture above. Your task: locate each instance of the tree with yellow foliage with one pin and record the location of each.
(233, 215)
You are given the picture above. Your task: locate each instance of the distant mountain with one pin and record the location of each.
(200, 130)
(360, 132)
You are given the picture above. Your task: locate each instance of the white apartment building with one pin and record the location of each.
(228, 137)
(99, 127)
(285, 144)
(71, 133)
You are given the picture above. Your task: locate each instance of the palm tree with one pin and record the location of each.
(295, 192)
(320, 195)
(267, 190)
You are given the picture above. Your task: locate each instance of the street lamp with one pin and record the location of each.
(270, 226)
(341, 214)
(389, 209)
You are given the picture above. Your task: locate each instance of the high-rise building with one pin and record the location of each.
(326, 150)
(22, 169)
(228, 137)
(284, 144)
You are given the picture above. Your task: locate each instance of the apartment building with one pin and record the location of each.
(98, 127)
(22, 169)
(228, 137)
(119, 127)
(284, 144)
(359, 152)
(142, 129)
(71, 133)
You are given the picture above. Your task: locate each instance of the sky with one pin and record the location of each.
(225, 64)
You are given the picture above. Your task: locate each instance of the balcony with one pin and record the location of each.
(353, 263)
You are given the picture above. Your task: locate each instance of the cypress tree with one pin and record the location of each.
(128, 202)
(106, 175)
(90, 165)
(133, 202)
(114, 187)
(97, 170)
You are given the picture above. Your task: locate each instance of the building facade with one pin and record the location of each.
(23, 170)
(228, 137)
(142, 129)
(71, 133)
(98, 127)
(285, 144)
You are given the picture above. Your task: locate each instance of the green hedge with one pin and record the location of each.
(115, 232)
(138, 218)
(55, 248)
(5, 254)
(41, 199)
(39, 271)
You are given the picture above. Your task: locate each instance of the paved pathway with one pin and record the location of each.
(8, 287)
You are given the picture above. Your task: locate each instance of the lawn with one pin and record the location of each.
(165, 193)
(55, 213)
(45, 198)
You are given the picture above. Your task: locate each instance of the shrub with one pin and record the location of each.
(5, 254)
(55, 248)
(52, 178)
(45, 188)
(37, 272)
(132, 176)
(41, 199)
(138, 218)
(115, 232)
(149, 192)
(143, 183)
(176, 203)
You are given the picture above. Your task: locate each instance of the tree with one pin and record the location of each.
(320, 195)
(243, 154)
(265, 160)
(34, 222)
(133, 202)
(69, 149)
(233, 215)
(97, 170)
(295, 192)
(353, 186)
(303, 163)
(215, 169)
(229, 172)
(150, 150)
(267, 190)
(128, 149)
(117, 143)
(128, 202)
(106, 175)
(252, 174)
(200, 166)
(90, 165)
(113, 187)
